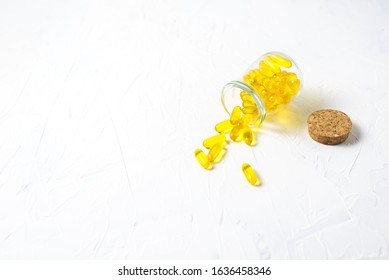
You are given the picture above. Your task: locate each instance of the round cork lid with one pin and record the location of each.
(330, 127)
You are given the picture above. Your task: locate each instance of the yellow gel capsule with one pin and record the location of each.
(281, 61)
(210, 141)
(250, 110)
(248, 98)
(235, 114)
(236, 134)
(245, 120)
(248, 136)
(265, 70)
(203, 159)
(243, 93)
(224, 126)
(248, 103)
(250, 174)
(215, 151)
(272, 65)
(294, 85)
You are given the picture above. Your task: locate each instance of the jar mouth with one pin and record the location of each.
(230, 98)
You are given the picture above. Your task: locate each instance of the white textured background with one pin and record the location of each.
(102, 104)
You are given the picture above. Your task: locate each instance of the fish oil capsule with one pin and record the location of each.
(215, 151)
(243, 93)
(294, 85)
(250, 110)
(245, 120)
(250, 174)
(248, 104)
(265, 70)
(281, 60)
(210, 141)
(235, 115)
(247, 98)
(248, 136)
(272, 65)
(203, 159)
(236, 134)
(224, 126)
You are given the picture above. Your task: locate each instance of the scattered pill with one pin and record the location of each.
(236, 134)
(202, 159)
(245, 120)
(224, 126)
(210, 141)
(248, 136)
(250, 174)
(235, 115)
(215, 151)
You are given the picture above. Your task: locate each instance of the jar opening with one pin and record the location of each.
(231, 97)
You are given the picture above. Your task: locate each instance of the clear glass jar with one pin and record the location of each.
(272, 80)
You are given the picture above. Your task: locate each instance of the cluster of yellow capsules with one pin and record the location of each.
(237, 126)
(274, 85)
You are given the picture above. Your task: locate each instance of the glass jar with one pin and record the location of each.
(272, 80)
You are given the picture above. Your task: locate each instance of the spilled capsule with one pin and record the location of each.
(236, 134)
(203, 159)
(224, 126)
(210, 141)
(245, 120)
(250, 174)
(235, 114)
(215, 152)
(248, 136)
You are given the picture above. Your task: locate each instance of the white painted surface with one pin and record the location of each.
(102, 104)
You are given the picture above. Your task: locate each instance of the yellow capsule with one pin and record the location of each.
(203, 159)
(294, 85)
(248, 103)
(247, 79)
(248, 136)
(250, 110)
(236, 134)
(215, 151)
(243, 93)
(224, 126)
(272, 65)
(248, 98)
(235, 114)
(281, 61)
(210, 141)
(245, 120)
(250, 174)
(265, 70)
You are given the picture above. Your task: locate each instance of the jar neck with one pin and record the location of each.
(234, 88)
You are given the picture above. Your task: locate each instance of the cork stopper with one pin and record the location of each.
(330, 127)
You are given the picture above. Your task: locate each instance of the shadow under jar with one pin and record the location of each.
(272, 80)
